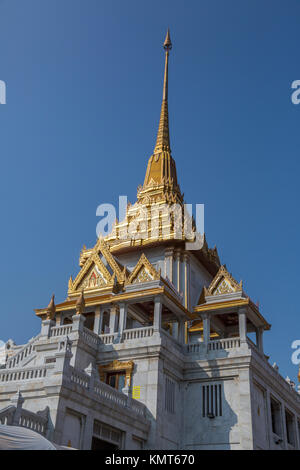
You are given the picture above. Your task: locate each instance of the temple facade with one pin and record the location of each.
(157, 346)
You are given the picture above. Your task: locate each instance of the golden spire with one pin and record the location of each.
(161, 169)
(163, 135)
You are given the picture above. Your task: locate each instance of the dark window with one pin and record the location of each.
(99, 444)
(290, 431)
(116, 380)
(276, 417)
(89, 320)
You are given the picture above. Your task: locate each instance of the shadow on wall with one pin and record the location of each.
(209, 419)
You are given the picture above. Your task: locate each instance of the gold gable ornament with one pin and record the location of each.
(144, 271)
(93, 275)
(223, 283)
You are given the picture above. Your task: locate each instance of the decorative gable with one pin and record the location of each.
(223, 283)
(144, 271)
(99, 270)
(93, 279)
(143, 276)
(224, 287)
(93, 275)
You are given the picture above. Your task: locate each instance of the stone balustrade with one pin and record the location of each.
(7, 415)
(28, 373)
(105, 392)
(214, 345)
(224, 343)
(80, 378)
(16, 415)
(137, 333)
(33, 421)
(111, 394)
(91, 338)
(193, 348)
(138, 407)
(108, 338)
(22, 354)
(62, 330)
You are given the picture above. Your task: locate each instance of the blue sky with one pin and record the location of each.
(84, 87)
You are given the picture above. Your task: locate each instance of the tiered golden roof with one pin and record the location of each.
(101, 274)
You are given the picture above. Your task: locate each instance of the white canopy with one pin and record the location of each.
(17, 438)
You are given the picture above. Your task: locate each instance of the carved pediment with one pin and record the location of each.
(93, 275)
(93, 279)
(142, 276)
(144, 271)
(99, 270)
(223, 283)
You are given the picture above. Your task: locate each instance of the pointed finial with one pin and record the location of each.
(163, 135)
(168, 43)
(80, 304)
(51, 309)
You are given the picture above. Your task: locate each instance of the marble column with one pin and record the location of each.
(259, 339)
(177, 267)
(206, 328)
(113, 319)
(243, 325)
(157, 313)
(169, 263)
(98, 320)
(186, 261)
(123, 317)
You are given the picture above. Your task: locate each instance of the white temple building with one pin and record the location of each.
(151, 348)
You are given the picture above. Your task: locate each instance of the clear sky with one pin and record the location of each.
(84, 87)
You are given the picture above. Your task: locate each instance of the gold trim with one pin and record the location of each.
(219, 305)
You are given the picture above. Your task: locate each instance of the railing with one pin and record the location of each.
(226, 343)
(33, 421)
(215, 345)
(80, 378)
(138, 407)
(137, 333)
(17, 358)
(26, 419)
(192, 348)
(7, 415)
(108, 338)
(171, 338)
(90, 338)
(108, 393)
(252, 345)
(29, 373)
(61, 330)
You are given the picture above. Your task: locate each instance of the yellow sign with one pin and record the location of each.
(136, 391)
